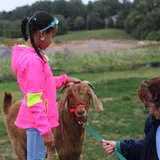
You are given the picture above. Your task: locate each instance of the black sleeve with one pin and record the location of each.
(134, 150)
(131, 149)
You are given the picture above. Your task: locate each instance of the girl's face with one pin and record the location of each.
(153, 110)
(48, 38)
(156, 113)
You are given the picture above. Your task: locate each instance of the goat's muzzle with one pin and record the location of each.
(80, 113)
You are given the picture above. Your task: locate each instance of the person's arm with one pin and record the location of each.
(130, 149)
(135, 149)
(60, 80)
(63, 79)
(34, 72)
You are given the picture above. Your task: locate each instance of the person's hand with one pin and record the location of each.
(49, 139)
(74, 80)
(109, 146)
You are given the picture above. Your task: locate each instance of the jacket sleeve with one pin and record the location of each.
(131, 149)
(34, 91)
(60, 80)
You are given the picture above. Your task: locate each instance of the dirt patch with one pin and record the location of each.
(107, 99)
(4, 50)
(92, 46)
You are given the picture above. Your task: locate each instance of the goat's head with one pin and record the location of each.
(76, 99)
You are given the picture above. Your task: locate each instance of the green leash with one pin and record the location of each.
(93, 132)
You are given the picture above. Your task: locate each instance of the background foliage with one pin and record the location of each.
(140, 18)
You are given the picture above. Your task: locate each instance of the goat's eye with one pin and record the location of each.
(70, 94)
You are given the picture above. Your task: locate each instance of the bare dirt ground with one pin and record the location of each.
(4, 50)
(82, 47)
(92, 46)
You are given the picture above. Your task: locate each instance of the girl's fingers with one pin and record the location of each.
(108, 149)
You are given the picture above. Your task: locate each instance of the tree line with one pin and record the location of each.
(140, 18)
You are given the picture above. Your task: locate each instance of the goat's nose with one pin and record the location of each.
(80, 112)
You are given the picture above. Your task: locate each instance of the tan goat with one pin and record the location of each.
(69, 135)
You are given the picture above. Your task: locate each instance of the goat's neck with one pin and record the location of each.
(68, 120)
(70, 135)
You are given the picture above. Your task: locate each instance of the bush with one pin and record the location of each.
(154, 36)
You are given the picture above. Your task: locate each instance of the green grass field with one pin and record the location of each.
(122, 110)
(123, 60)
(116, 83)
(105, 34)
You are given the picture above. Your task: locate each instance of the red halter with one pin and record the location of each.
(77, 107)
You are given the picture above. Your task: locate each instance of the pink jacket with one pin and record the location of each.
(35, 79)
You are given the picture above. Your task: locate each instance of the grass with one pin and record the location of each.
(103, 34)
(93, 63)
(116, 82)
(122, 110)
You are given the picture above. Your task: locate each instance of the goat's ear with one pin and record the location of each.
(63, 103)
(96, 102)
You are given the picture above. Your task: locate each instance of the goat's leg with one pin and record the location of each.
(51, 153)
(80, 158)
(19, 149)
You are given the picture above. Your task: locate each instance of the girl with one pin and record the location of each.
(149, 147)
(38, 113)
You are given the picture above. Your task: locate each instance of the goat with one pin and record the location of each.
(69, 135)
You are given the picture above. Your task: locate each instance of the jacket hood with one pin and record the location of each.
(18, 52)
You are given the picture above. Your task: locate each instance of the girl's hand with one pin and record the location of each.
(74, 80)
(109, 146)
(49, 139)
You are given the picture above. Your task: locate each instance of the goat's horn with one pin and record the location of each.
(66, 86)
(89, 83)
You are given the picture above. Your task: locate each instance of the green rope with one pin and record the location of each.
(93, 132)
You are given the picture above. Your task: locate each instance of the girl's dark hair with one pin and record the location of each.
(23, 28)
(38, 21)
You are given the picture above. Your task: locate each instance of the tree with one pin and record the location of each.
(149, 28)
(121, 17)
(69, 23)
(94, 21)
(107, 8)
(110, 23)
(75, 8)
(62, 28)
(136, 16)
(60, 7)
(79, 23)
(10, 29)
